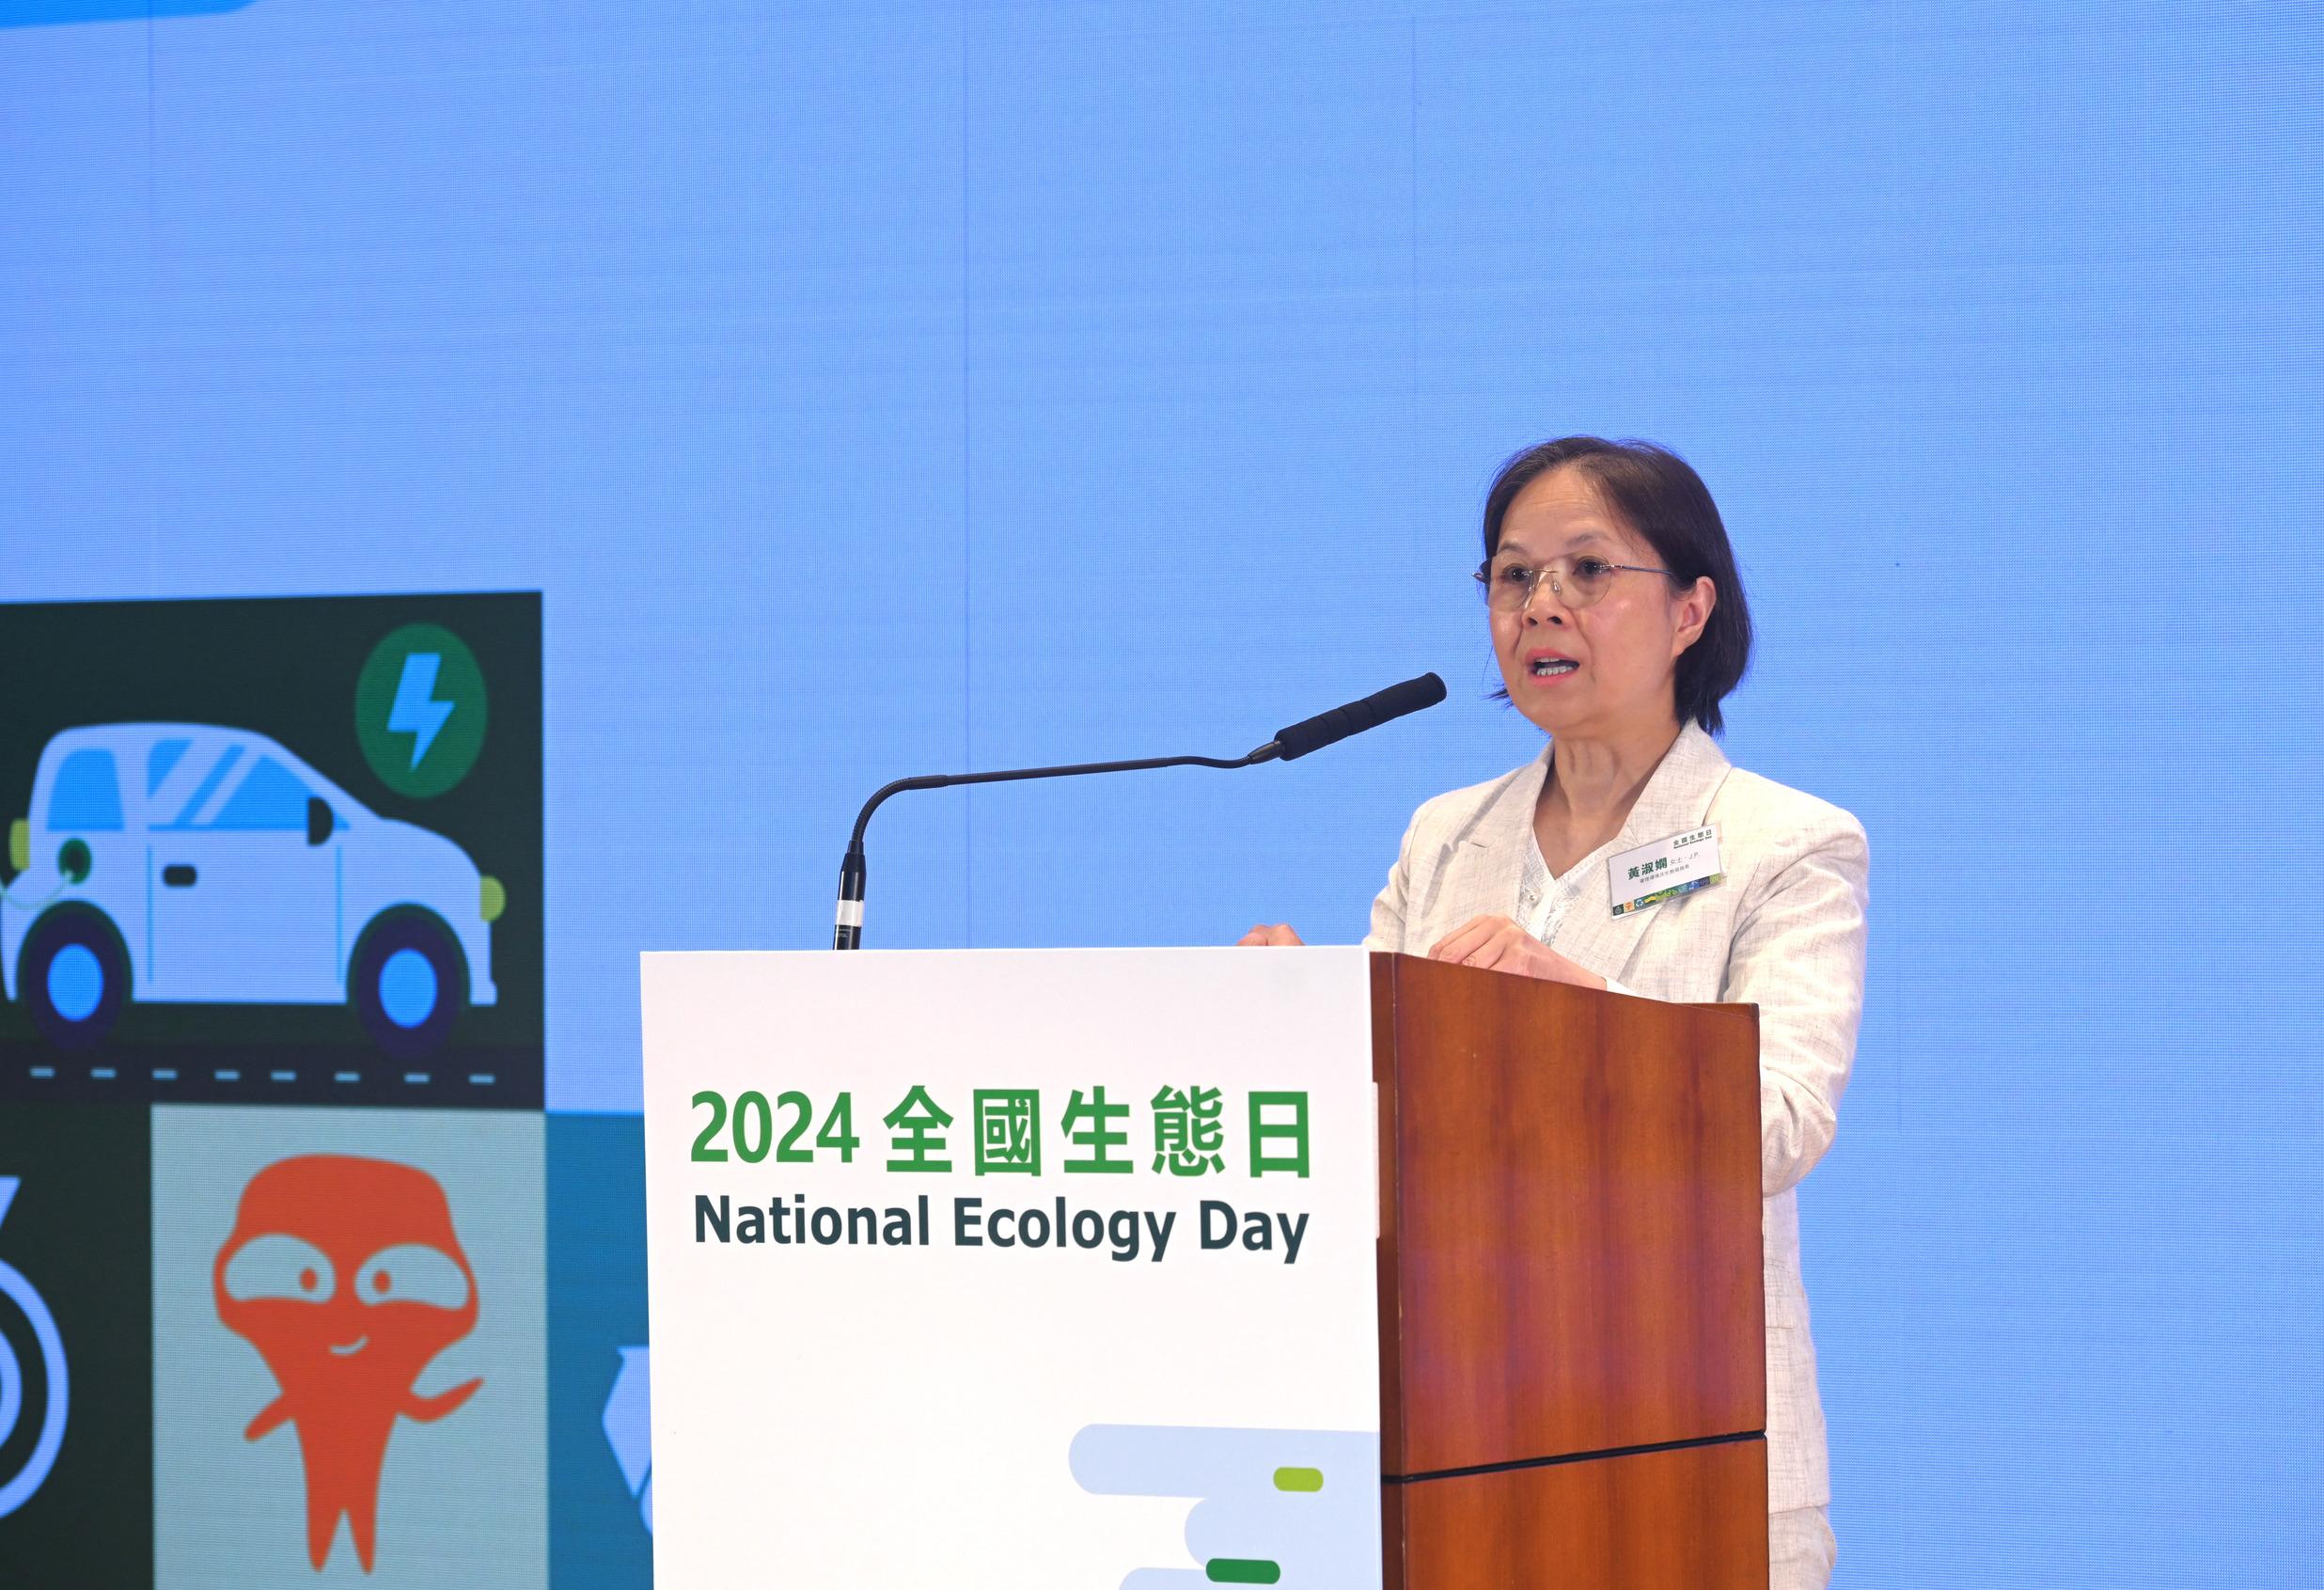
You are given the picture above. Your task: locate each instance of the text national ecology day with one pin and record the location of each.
(1124, 1233)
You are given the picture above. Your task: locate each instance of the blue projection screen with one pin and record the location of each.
(853, 390)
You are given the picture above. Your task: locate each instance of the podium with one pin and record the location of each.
(1572, 1379)
(976, 1268)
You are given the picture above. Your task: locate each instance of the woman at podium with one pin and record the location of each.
(1632, 855)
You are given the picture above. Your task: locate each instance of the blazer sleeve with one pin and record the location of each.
(1799, 954)
(1387, 908)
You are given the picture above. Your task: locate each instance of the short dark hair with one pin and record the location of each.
(1657, 495)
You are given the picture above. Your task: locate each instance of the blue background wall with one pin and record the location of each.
(880, 388)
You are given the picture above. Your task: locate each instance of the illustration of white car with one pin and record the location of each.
(180, 863)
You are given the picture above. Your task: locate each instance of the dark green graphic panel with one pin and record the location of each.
(273, 851)
(76, 1347)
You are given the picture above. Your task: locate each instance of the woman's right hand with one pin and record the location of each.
(1265, 938)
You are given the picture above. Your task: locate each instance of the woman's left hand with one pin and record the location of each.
(1499, 944)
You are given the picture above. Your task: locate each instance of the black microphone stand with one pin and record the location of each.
(1289, 744)
(847, 934)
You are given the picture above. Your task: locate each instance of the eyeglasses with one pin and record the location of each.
(1509, 584)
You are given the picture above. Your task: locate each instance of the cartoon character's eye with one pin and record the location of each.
(411, 1272)
(275, 1266)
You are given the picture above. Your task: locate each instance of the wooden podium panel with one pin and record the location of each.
(1569, 1230)
(1691, 1518)
(1569, 1271)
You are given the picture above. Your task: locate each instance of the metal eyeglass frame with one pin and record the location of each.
(1483, 574)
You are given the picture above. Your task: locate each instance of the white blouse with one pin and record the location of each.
(1544, 900)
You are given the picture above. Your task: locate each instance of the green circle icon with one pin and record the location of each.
(419, 710)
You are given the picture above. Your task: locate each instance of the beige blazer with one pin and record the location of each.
(1784, 931)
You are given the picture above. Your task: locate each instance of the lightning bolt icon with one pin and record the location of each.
(417, 712)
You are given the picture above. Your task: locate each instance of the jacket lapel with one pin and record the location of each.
(1673, 800)
(1486, 855)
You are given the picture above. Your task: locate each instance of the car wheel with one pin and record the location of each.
(408, 985)
(74, 977)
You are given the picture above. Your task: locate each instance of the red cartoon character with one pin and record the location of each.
(347, 1277)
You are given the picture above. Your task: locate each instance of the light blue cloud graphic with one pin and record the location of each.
(1305, 1503)
(49, 13)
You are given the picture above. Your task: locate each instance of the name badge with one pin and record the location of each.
(1664, 870)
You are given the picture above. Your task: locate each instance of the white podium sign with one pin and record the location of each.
(1012, 1269)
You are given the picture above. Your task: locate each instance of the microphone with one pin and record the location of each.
(1311, 734)
(1330, 728)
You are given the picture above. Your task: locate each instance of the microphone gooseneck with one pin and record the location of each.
(1296, 741)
